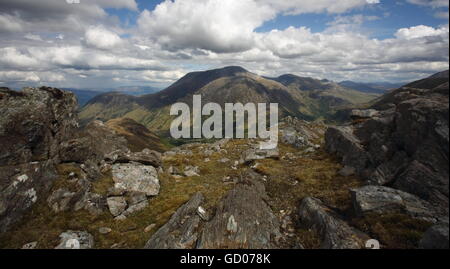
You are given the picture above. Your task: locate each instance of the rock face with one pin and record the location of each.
(33, 124)
(182, 230)
(76, 240)
(335, 233)
(405, 144)
(242, 220)
(379, 199)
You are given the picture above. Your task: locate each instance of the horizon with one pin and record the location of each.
(154, 43)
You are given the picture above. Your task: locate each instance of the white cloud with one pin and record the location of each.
(420, 31)
(99, 37)
(9, 24)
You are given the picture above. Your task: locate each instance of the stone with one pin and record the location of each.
(149, 228)
(255, 154)
(136, 197)
(363, 114)
(384, 200)
(135, 208)
(335, 233)
(181, 231)
(61, 200)
(146, 157)
(136, 177)
(117, 205)
(31, 245)
(104, 230)
(76, 240)
(191, 171)
(436, 237)
(202, 213)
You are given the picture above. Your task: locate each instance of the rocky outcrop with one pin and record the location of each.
(182, 230)
(405, 145)
(33, 124)
(384, 200)
(335, 233)
(242, 220)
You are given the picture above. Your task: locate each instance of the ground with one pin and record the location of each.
(288, 180)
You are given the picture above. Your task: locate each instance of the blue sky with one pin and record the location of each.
(112, 43)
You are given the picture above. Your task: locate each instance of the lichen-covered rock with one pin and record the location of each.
(384, 200)
(33, 124)
(254, 154)
(182, 230)
(335, 233)
(242, 220)
(75, 240)
(136, 177)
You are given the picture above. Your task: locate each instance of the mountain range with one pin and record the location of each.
(305, 98)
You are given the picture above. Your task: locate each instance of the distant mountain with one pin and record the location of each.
(305, 98)
(85, 95)
(378, 88)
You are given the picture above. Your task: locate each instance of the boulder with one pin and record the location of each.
(61, 200)
(75, 240)
(335, 233)
(342, 142)
(191, 171)
(254, 154)
(182, 230)
(242, 219)
(147, 157)
(384, 200)
(363, 114)
(117, 205)
(136, 178)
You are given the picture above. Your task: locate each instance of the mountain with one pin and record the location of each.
(85, 95)
(226, 85)
(378, 88)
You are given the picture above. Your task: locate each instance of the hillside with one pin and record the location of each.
(304, 98)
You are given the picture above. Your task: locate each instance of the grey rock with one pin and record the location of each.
(383, 200)
(137, 178)
(117, 205)
(335, 233)
(191, 171)
(61, 200)
(242, 219)
(181, 231)
(255, 154)
(135, 208)
(76, 240)
(362, 114)
(147, 157)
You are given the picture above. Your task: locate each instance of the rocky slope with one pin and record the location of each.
(401, 142)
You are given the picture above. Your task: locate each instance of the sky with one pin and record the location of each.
(111, 43)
